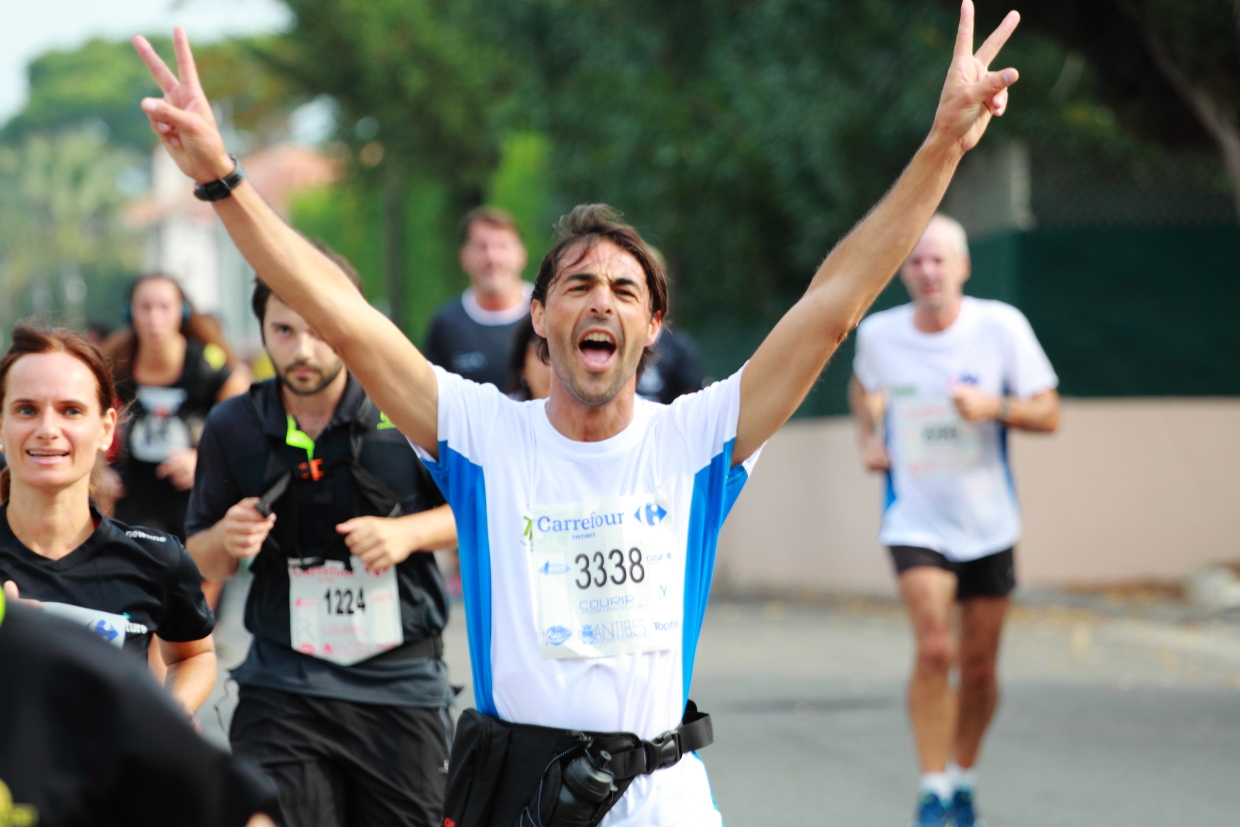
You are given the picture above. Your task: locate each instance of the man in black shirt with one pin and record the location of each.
(88, 739)
(344, 694)
(675, 370)
(472, 335)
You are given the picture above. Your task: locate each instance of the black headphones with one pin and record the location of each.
(187, 309)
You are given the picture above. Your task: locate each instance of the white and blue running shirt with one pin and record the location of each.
(950, 486)
(501, 460)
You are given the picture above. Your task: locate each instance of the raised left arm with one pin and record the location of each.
(788, 362)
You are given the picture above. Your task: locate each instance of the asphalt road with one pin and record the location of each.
(1105, 721)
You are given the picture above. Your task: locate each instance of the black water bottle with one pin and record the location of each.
(585, 787)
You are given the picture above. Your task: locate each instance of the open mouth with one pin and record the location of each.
(46, 456)
(597, 349)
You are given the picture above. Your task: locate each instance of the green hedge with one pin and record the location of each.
(1120, 311)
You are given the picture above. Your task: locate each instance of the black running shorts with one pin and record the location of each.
(991, 576)
(345, 764)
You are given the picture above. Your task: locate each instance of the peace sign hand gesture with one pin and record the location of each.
(182, 118)
(972, 94)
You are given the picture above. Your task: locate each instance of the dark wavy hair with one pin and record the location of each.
(576, 235)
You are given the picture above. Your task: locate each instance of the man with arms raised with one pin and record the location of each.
(588, 521)
(949, 374)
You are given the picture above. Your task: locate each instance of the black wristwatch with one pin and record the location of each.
(221, 188)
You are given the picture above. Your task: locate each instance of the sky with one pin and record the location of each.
(32, 27)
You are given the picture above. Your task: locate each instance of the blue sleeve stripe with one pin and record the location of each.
(889, 491)
(463, 484)
(715, 489)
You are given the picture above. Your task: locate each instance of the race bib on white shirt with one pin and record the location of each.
(340, 615)
(605, 578)
(935, 439)
(110, 627)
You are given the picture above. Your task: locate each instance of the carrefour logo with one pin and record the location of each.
(587, 522)
(104, 629)
(651, 514)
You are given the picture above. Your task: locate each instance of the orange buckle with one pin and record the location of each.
(312, 470)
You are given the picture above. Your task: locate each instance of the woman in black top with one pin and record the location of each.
(57, 421)
(171, 366)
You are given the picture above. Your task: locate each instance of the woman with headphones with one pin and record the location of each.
(171, 366)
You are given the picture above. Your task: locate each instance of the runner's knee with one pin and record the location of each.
(978, 672)
(934, 652)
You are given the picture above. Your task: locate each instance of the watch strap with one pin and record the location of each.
(221, 188)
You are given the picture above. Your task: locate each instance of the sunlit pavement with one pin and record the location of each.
(1114, 720)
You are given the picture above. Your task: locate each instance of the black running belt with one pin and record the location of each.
(427, 647)
(694, 732)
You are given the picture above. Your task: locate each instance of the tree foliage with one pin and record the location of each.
(746, 138)
(1169, 70)
(60, 213)
(96, 84)
(416, 83)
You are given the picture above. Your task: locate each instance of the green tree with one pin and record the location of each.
(60, 218)
(1169, 70)
(100, 82)
(418, 84)
(746, 138)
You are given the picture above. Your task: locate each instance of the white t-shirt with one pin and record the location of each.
(524, 494)
(950, 486)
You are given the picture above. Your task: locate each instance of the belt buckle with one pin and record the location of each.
(662, 751)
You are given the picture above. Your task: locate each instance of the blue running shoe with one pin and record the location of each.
(961, 812)
(930, 811)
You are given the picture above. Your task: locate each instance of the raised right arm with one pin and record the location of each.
(395, 375)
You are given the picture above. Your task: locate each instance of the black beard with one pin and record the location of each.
(296, 391)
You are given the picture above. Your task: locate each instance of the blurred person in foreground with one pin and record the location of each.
(472, 335)
(344, 692)
(583, 658)
(937, 385)
(127, 583)
(171, 366)
(87, 739)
